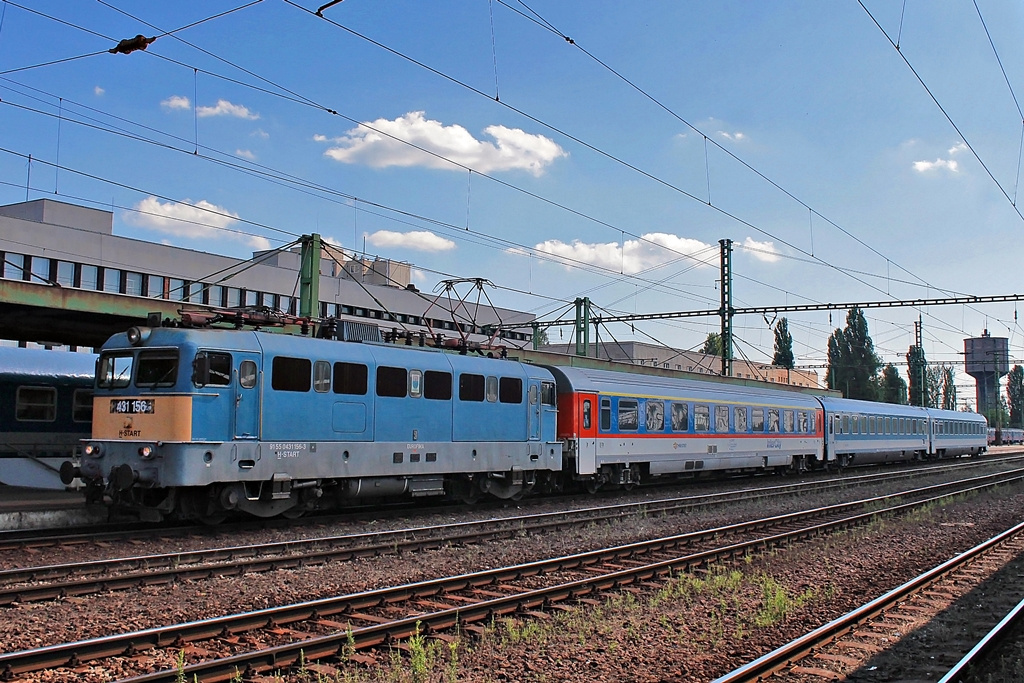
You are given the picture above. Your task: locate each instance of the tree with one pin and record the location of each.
(917, 369)
(1015, 395)
(893, 388)
(948, 389)
(783, 345)
(852, 363)
(713, 344)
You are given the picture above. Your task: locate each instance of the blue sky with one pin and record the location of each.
(549, 174)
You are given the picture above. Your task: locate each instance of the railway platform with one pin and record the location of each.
(24, 508)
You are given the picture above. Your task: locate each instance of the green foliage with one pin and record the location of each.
(783, 345)
(893, 389)
(1015, 395)
(948, 388)
(852, 363)
(713, 344)
(917, 369)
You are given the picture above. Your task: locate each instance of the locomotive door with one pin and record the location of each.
(586, 433)
(533, 409)
(247, 397)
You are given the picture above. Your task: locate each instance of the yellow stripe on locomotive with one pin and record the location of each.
(137, 418)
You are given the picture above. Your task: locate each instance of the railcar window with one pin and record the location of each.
(680, 417)
(871, 425)
(350, 378)
(846, 424)
(115, 370)
(391, 381)
(722, 419)
(757, 420)
(701, 418)
(492, 389)
(801, 421)
(291, 374)
(863, 425)
(655, 415)
(471, 387)
(247, 374)
(629, 414)
(321, 376)
(510, 390)
(438, 385)
(773, 420)
(587, 414)
(81, 406)
(209, 367)
(36, 404)
(837, 424)
(740, 418)
(547, 393)
(606, 414)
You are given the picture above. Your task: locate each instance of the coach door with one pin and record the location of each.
(247, 396)
(586, 433)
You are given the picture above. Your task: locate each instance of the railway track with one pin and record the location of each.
(830, 652)
(31, 584)
(340, 626)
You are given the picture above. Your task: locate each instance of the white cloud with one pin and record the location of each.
(200, 219)
(245, 154)
(417, 275)
(420, 240)
(176, 102)
(261, 134)
(763, 251)
(636, 255)
(950, 164)
(512, 148)
(225, 108)
(98, 91)
(735, 137)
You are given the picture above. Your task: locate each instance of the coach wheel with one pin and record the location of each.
(593, 485)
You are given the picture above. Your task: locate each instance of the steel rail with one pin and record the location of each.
(795, 650)
(236, 560)
(72, 654)
(987, 645)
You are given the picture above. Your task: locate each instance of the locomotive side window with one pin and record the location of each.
(722, 419)
(606, 414)
(247, 374)
(533, 394)
(629, 414)
(321, 376)
(415, 383)
(209, 367)
(547, 393)
(115, 371)
(739, 416)
(492, 389)
(701, 419)
(291, 374)
(438, 385)
(680, 417)
(510, 390)
(471, 387)
(81, 406)
(350, 378)
(36, 404)
(391, 381)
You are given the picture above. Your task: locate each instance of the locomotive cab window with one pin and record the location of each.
(36, 404)
(391, 381)
(115, 370)
(547, 393)
(210, 367)
(291, 374)
(350, 378)
(157, 368)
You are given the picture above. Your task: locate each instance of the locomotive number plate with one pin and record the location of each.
(132, 406)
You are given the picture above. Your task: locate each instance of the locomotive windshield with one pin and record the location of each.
(115, 370)
(158, 368)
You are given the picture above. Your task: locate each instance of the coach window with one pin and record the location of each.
(801, 421)
(773, 420)
(837, 425)
(655, 413)
(438, 385)
(471, 387)
(871, 425)
(680, 417)
(247, 374)
(701, 419)
(739, 416)
(391, 381)
(36, 404)
(290, 374)
(210, 367)
(547, 393)
(157, 368)
(629, 414)
(350, 378)
(606, 414)
(757, 420)
(510, 390)
(587, 411)
(492, 389)
(81, 406)
(321, 377)
(722, 419)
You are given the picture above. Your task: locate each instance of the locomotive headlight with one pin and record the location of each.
(93, 450)
(146, 452)
(137, 336)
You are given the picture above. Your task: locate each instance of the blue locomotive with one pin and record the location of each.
(45, 412)
(200, 422)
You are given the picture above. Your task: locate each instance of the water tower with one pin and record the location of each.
(987, 359)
